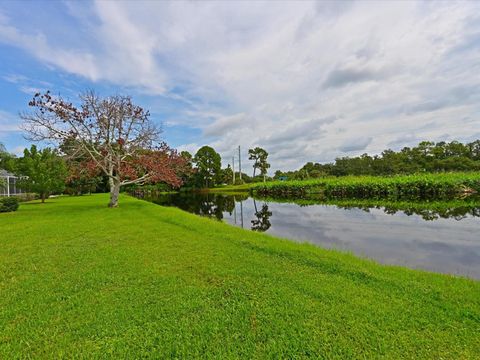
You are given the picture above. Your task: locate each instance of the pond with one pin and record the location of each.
(440, 237)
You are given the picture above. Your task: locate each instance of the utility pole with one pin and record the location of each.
(233, 168)
(239, 162)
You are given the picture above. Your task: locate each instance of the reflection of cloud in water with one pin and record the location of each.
(443, 245)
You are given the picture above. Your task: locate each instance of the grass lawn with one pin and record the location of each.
(80, 280)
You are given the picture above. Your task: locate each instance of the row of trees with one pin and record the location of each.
(102, 141)
(205, 168)
(108, 143)
(427, 156)
(43, 171)
(61, 170)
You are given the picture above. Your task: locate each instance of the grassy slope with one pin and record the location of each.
(79, 279)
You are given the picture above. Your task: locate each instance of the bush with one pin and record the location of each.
(26, 197)
(8, 204)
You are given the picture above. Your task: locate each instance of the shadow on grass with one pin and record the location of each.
(36, 203)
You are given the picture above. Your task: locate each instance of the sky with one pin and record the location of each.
(307, 81)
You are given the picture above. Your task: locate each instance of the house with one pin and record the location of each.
(8, 184)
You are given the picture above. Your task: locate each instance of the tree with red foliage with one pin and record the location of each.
(113, 135)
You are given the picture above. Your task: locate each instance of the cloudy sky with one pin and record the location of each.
(308, 81)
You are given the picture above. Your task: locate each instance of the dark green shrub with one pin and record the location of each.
(8, 204)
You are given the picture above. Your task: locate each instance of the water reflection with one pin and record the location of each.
(455, 209)
(429, 214)
(262, 222)
(210, 205)
(437, 236)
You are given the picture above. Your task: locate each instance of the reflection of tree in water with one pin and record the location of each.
(213, 205)
(457, 209)
(210, 208)
(458, 213)
(262, 222)
(210, 205)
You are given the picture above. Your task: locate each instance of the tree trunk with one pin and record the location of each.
(42, 196)
(114, 193)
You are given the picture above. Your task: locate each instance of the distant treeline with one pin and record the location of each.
(425, 157)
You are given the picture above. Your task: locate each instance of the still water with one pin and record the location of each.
(442, 239)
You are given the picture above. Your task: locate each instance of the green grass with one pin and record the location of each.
(80, 280)
(442, 185)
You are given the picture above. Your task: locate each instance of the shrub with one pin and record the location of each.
(26, 197)
(8, 204)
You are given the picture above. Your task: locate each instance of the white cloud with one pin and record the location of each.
(266, 74)
(73, 61)
(8, 123)
(225, 124)
(15, 78)
(355, 144)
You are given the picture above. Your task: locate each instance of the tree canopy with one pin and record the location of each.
(114, 134)
(7, 160)
(427, 156)
(209, 164)
(45, 171)
(259, 156)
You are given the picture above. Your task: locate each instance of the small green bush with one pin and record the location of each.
(26, 197)
(8, 204)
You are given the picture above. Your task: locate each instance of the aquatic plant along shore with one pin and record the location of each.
(424, 186)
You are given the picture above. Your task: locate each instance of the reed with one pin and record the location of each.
(434, 186)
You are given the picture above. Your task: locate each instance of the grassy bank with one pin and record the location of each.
(79, 279)
(444, 185)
